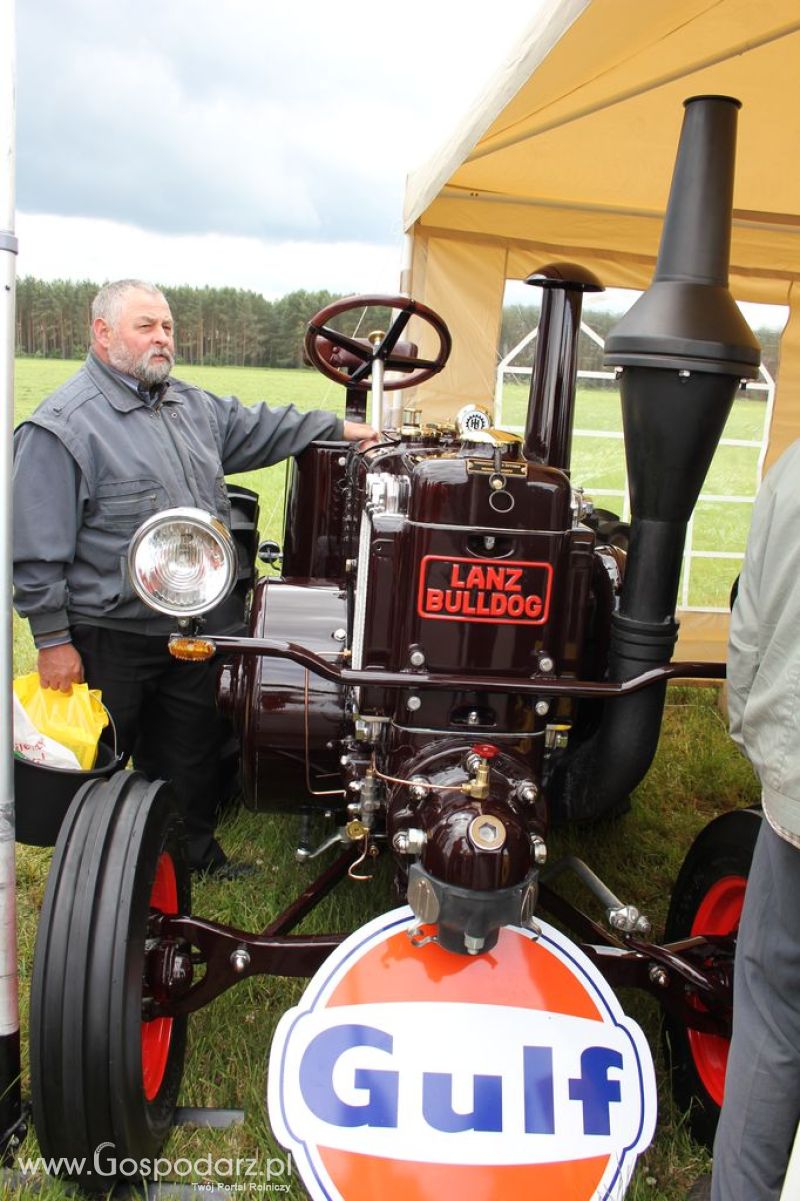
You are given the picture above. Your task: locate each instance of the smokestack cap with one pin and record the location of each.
(688, 319)
(566, 276)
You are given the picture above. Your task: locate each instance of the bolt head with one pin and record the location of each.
(543, 707)
(546, 663)
(240, 959)
(539, 848)
(417, 658)
(413, 703)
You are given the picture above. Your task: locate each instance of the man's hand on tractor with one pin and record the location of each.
(60, 667)
(359, 431)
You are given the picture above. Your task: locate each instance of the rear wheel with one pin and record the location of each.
(105, 1080)
(707, 899)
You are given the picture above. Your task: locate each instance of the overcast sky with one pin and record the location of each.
(238, 142)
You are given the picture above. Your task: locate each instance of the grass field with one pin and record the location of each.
(697, 773)
(718, 526)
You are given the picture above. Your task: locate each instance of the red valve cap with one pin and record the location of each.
(485, 749)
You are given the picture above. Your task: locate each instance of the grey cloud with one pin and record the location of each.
(200, 117)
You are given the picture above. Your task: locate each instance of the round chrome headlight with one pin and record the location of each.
(182, 562)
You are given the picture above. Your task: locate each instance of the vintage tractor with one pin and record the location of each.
(459, 653)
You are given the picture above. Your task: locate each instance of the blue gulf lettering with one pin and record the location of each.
(316, 1078)
(537, 1068)
(594, 1089)
(437, 1103)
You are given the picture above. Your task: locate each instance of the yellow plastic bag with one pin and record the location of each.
(75, 719)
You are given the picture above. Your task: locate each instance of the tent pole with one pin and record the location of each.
(10, 1104)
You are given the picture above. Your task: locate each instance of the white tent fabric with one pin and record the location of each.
(569, 155)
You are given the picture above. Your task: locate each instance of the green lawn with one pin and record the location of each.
(697, 773)
(599, 463)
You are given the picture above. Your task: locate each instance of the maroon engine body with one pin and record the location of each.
(441, 553)
(469, 597)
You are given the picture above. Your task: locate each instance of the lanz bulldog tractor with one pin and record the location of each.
(459, 653)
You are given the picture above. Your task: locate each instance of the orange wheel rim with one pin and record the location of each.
(157, 1033)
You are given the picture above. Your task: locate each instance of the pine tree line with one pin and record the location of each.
(214, 326)
(234, 327)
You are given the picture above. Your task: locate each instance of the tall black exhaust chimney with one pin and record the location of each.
(683, 349)
(551, 400)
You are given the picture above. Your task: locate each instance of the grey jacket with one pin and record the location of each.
(94, 460)
(764, 647)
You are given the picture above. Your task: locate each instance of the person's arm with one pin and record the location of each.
(46, 490)
(746, 615)
(258, 436)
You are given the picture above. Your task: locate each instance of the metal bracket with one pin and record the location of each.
(10, 1139)
(621, 917)
(207, 1115)
(9, 241)
(304, 853)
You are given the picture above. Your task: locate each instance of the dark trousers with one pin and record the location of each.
(166, 718)
(761, 1109)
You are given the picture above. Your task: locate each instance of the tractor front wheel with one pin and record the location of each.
(707, 899)
(104, 1075)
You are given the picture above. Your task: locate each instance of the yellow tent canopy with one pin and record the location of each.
(569, 155)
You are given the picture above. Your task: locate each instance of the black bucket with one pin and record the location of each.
(44, 794)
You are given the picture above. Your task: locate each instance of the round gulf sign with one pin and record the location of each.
(408, 1073)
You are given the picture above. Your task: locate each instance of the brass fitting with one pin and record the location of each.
(478, 786)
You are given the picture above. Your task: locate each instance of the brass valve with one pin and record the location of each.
(478, 786)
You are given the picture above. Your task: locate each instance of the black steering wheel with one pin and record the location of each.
(349, 360)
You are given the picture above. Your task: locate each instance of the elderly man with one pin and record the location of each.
(119, 441)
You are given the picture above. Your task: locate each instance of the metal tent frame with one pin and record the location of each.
(10, 1096)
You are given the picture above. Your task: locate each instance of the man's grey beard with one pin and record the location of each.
(142, 368)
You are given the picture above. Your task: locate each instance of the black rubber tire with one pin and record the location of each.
(723, 849)
(87, 1079)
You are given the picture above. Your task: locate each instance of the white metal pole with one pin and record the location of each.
(376, 416)
(9, 1008)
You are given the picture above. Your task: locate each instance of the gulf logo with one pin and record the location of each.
(413, 1074)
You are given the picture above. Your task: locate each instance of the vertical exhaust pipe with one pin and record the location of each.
(683, 349)
(551, 401)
